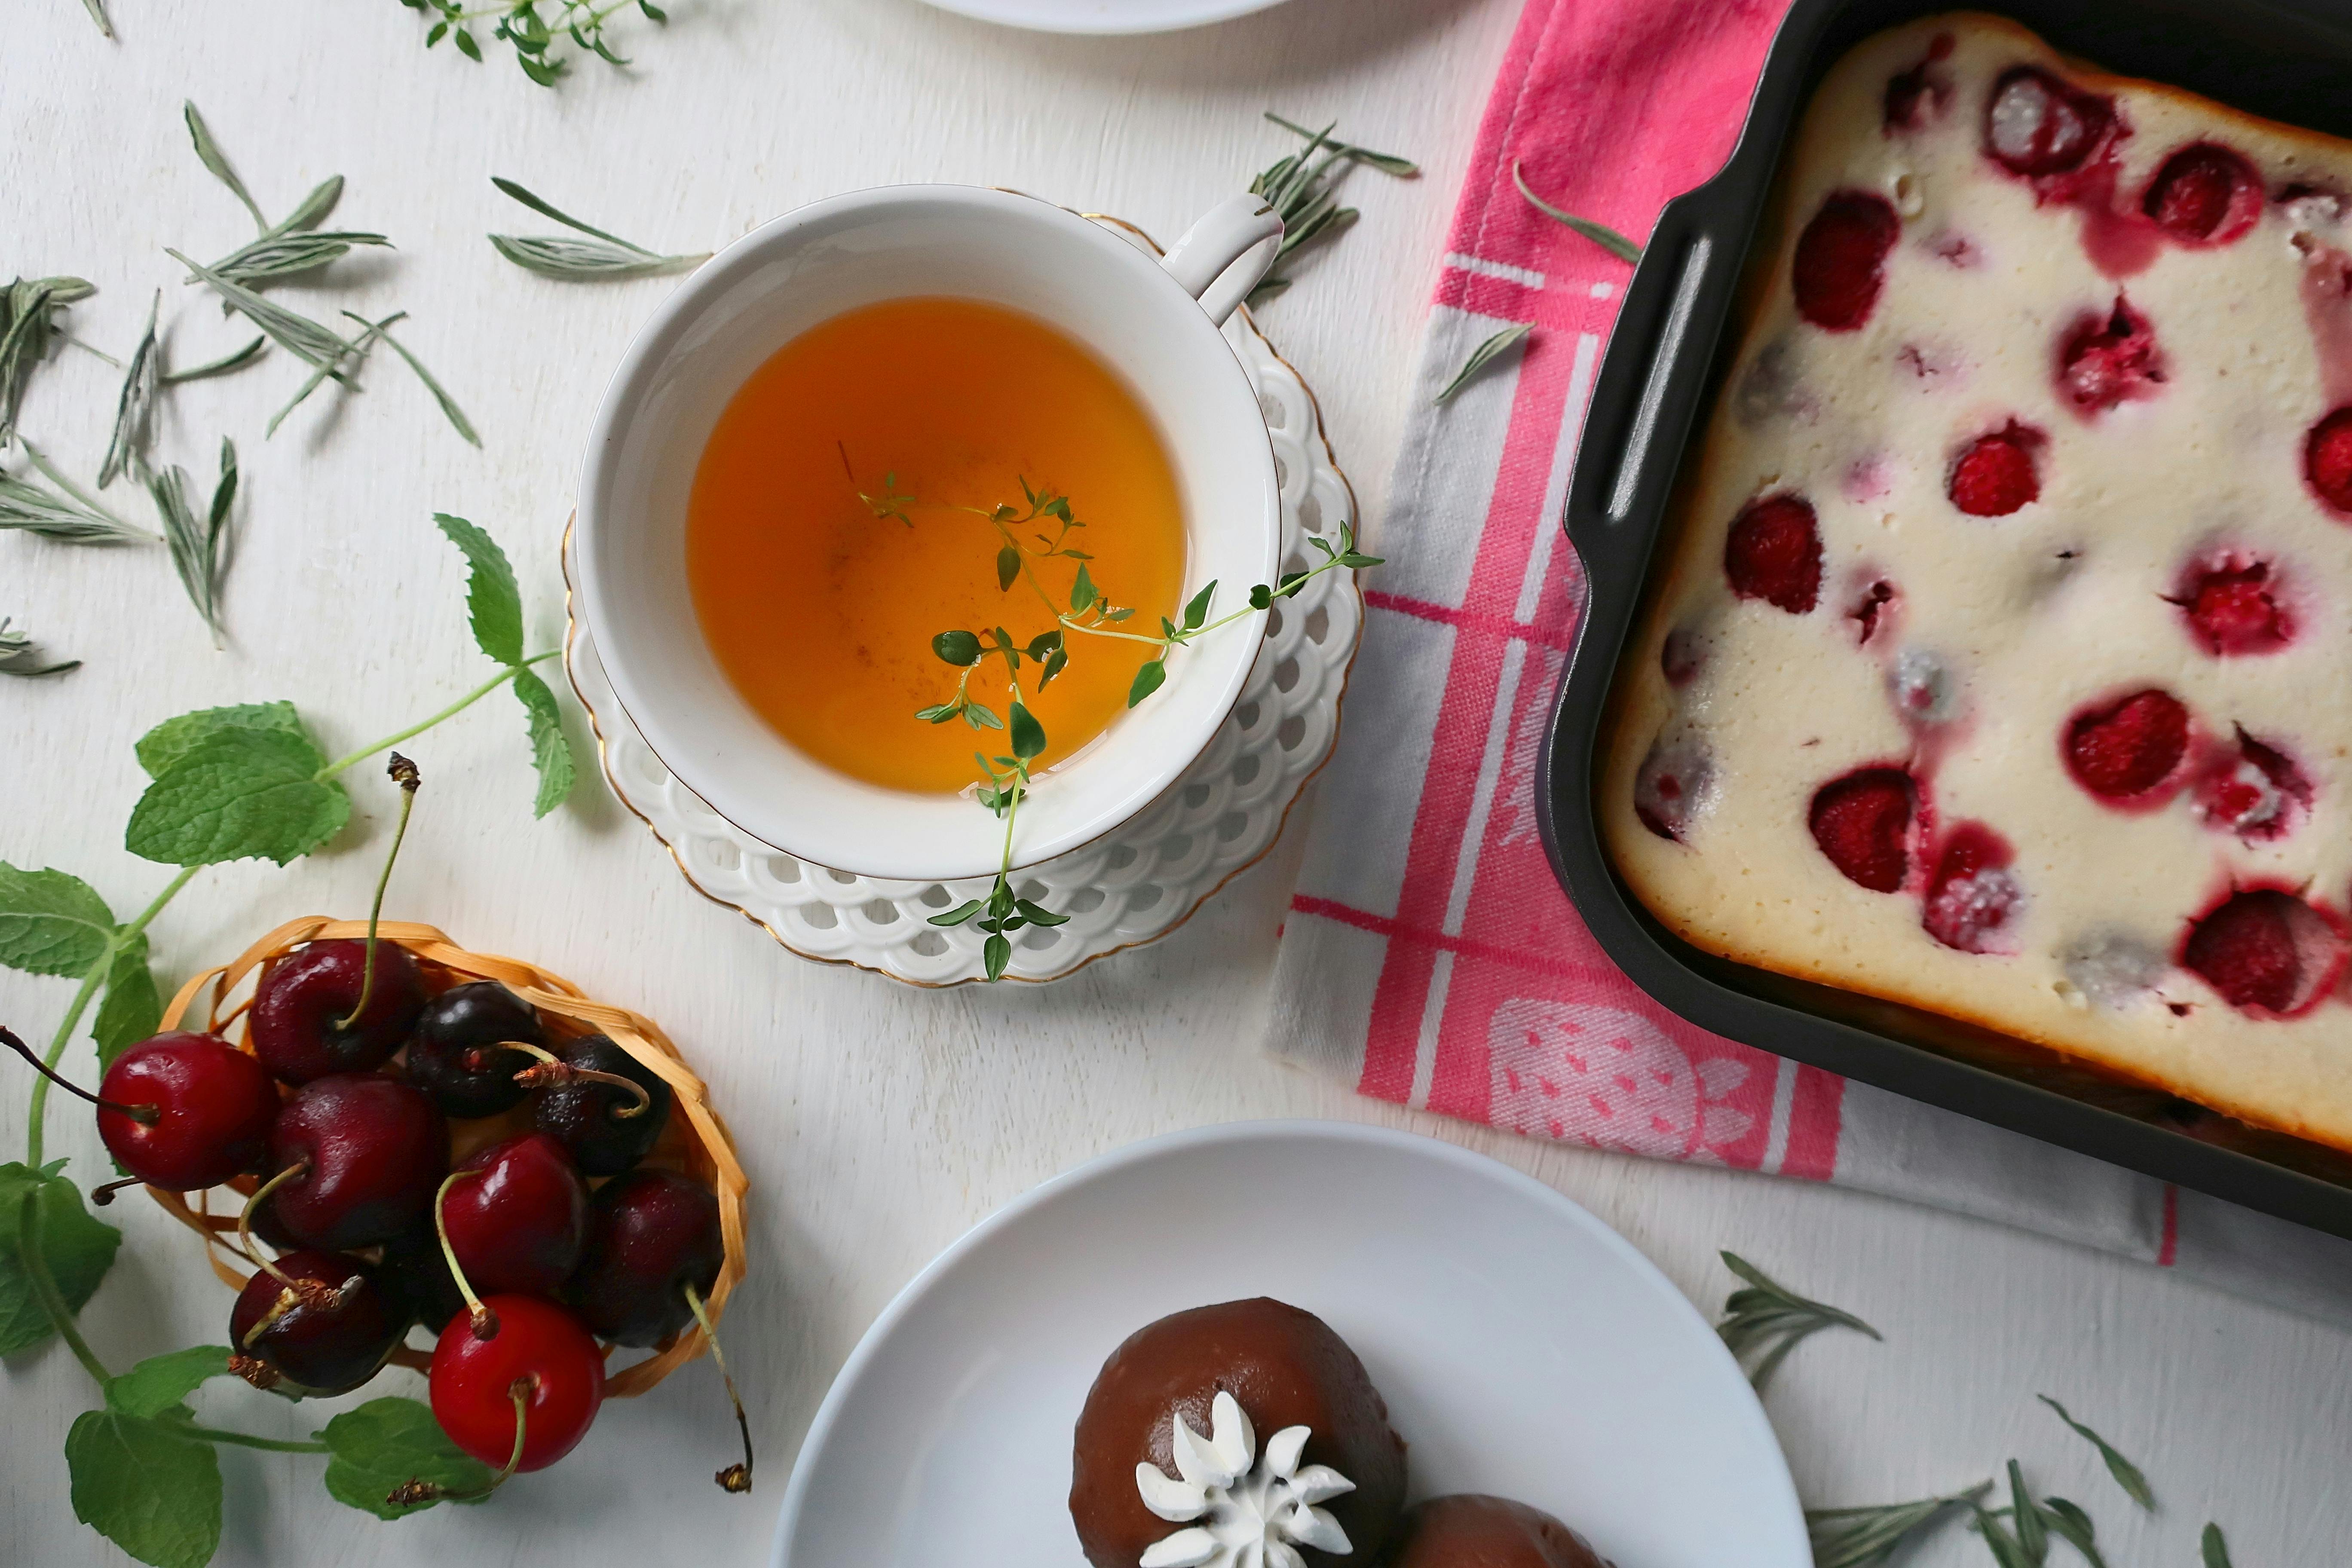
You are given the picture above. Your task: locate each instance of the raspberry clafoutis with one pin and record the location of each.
(1993, 661)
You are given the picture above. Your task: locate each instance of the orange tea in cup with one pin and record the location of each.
(841, 518)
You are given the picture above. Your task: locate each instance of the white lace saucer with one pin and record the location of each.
(1125, 888)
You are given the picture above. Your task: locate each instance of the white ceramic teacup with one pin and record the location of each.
(1154, 322)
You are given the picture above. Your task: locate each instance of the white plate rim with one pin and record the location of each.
(1031, 15)
(870, 1345)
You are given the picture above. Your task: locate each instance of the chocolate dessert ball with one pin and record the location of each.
(1284, 1440)
(1467, 1529)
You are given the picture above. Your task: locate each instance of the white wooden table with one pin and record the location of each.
(878, 1121)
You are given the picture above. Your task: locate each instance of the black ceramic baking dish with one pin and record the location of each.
(1664, 364)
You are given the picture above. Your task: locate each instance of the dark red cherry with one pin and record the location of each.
(2037, 125)
(2130, 747)
(651, 1236)
(2107, 357)
(370, 1151)
(2204, 195)
(1773, 552)
(214, 1105)
(540, 1354)
(454, 1055)
(2265, 951)
(599, 1123)
(328, 1330)
(301, 1005)
(1841, 259)
(1863, 822)
(413, 1265)
(517, 1216)
(2327, 460)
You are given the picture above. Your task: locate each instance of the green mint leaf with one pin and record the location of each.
(2126, 1474)
(239, 794)
(2211, 1548)
(1083, 591)
(1260, 596)
(551, 754)
(996, 953)
(167, 742)
(51, 923)
(1197, 609)
(133, 1009)
(386, 1442)
(159, 1383)
(78, 1249)
(492, 599)
(1008, 567)
(1147, 680)
(145, 1487)
(1028, 735)
(958, 915)
(959, 649)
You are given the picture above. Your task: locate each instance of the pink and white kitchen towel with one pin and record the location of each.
(1429, 957)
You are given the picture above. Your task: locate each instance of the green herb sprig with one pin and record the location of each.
(20, 654)
(290, 247)
(533, 38)
(1600, 234)
(601, 258)
(29, 307)
(1303, 187)
(1040, 529)
(1480, 357)
(200, 545)
(1866, 1537)
(67, 513)
(225, 784)
(1769, 1316)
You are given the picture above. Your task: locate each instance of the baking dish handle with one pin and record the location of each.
(1652, 381)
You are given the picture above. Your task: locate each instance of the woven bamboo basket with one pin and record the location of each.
(696, 1143)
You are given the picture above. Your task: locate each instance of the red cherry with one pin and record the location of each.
(1863, 822)
(539, 1352)
(2265, 951)
(517, 1216)
(300, 1006)
(2327, 460)
(1773, 552)
(1840, 260)
(1671, 787)
(1973, 894)
(370, 1151)
(2036, 125)
(2130, 747)
(214, 1105)
(2204, 195)
(653, 1235)
(2254, 792)
(1995, 475)
(2110, 357)
(321, 1320)
(2232, 607)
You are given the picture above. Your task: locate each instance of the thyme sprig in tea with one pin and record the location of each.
(1041, 529)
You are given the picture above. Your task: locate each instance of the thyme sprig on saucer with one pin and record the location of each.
(600, 257)
(1769, 1316)
(534, 37)
(1041, 528)
(1303, 187)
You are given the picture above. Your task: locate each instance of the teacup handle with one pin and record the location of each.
(1224, 255)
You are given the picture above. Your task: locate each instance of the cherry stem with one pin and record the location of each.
(404, 774)
(103, 1196)
(145, 1115)
(245, 1236)
(734, 1478)
(486, 1323)
(552, 1070)
(416, 1490)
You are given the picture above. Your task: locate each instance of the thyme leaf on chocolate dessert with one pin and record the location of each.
(1769, 1316)
(602, 256)
(1303, 189)
(1041, 528)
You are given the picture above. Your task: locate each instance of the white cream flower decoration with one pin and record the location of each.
(1241, 1508)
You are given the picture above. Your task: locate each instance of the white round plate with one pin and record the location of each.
(1524, 1348)
(1104, 15)
(1128, 887)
